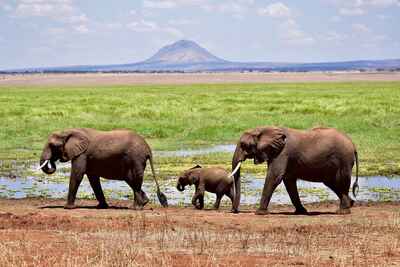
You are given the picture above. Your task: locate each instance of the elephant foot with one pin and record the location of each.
(301, 211)
(262, 212)
(136, 207)
(352, 203)
(69, 206)
(102, 206)
(343, 211)
(198, 207)
(145, 201)
(233, 210)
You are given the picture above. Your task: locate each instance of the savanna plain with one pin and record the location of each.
(39, 232)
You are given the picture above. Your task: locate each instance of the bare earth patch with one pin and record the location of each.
(190, 78)
(39, 232)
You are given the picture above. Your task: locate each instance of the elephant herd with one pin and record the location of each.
(317, 155)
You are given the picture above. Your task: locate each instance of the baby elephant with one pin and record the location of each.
(215, 180)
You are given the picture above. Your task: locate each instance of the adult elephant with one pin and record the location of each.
(318, 155)
(116, 155)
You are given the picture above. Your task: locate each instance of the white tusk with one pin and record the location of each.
(236, 169)
(44, 163)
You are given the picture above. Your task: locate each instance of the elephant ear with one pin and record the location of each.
(195, 167)
(248, 139)
(271, 140)
(76, 143)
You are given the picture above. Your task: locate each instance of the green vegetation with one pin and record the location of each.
(179, 117)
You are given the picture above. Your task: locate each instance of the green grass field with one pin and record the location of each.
(176, 117)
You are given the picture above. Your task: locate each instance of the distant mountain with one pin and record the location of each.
(188, 56)
(183, 52)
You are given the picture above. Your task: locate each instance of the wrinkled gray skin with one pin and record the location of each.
(214, 180)
(116, 155)
(318, 155)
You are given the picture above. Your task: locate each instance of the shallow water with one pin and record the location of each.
(24, 180)
(371, 189)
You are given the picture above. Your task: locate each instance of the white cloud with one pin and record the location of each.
(59, 10)
(360, 28)
(143, 26)
(113, 26)
(82, 18)
(236, 8)
(381, 3)
(360, 7)
(182, 22)
(351, 11)
(335, 37)
(164, 4)
(56, 30)
(159, 4)
(81, 28)
(291, 34)
(152, 26)
(44, 8)
(276, 10)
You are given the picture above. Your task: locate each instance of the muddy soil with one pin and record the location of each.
(39, 232)
(103, 79)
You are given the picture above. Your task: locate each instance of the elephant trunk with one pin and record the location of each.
(238, 157)
(47, 156)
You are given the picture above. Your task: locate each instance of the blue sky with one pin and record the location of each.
(72, 32)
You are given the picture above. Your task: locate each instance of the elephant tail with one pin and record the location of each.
(355, 185)
(161, 196)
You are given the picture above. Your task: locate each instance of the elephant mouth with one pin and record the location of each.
(45, 167)
(258, 161)
(180, 187)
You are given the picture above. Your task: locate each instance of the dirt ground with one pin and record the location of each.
(189, 78)
(39, 232)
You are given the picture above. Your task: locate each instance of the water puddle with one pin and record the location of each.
(34, 183)
(371, 189)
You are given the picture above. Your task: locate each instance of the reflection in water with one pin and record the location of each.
(371, 189)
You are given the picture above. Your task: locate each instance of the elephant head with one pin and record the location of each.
(261, 144)
(63, 146)
(189, 177)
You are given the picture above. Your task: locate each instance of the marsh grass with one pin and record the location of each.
(187, 116)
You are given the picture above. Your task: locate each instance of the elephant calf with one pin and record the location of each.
(215, 180)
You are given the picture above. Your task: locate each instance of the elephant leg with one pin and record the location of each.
(77, 171)
(135, 181)
(218, 201)
(231, 195)
(291, 188)
(272, 180)
(198, 200)
(98, 191)
(340, 185)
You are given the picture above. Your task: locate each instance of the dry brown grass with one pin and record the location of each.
(186, 237)
(190, 78)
